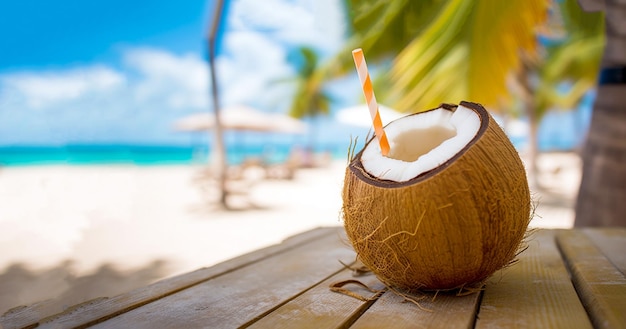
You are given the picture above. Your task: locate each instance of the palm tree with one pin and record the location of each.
(470, 49)
(455, 49)
(602, 194)
(383, 28)
(220, 147)
(459, 49)
(573, 59)
(310, 98)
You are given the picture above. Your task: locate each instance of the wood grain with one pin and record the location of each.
(321, 308)
(534, 293)
(601, 286)
(93, 312)
(245, 294)
(612, 243)
(287, 285)
(445, 310)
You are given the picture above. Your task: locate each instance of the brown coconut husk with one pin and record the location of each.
(445, 229)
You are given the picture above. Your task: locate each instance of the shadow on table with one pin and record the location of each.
(60, 287)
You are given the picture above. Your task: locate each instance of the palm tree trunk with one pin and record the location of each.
(533, 146)
(220, 147)
(533, 122)
(602, 195)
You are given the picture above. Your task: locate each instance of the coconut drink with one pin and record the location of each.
(445, 208)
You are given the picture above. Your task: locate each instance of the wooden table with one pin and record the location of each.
(565, 279)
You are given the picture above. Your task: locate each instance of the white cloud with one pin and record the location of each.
(95, 100)
(253, 64)
(329, 23)
(180, 81)
(41, 89)
(317, 23)
(254, 60)
(269, 16)
(258, 36)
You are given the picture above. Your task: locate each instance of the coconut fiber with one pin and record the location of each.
(449, 228)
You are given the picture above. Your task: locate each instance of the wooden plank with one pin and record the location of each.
(98, 310)
(612, 243)
(27, 316)
(321, 308)
(601, 286)
(444, 310)
(534, 293)
(246, 294)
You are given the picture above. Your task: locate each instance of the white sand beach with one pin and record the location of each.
(114, 228)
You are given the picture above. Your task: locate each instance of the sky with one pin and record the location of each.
(107, 72)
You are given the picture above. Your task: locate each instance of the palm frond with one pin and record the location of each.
(489, 34)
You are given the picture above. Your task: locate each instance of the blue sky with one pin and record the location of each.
(122, 71)
(55, 34)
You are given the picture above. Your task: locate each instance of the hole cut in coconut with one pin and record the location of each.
(407, 150)
(421, 142)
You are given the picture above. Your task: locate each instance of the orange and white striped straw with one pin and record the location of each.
(370, 99)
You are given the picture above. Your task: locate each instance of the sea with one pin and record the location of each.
(143, 155)
(146, 155)
(558, 131)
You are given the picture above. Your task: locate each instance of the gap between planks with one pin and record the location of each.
(100, 309)
(599, 284)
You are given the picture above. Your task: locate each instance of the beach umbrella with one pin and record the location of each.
(242, 118)
(360, 115)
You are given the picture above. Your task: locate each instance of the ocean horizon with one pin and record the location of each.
(147, 155)
(150, 155)
(557, 131)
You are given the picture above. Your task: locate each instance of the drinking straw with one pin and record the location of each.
(370, 99)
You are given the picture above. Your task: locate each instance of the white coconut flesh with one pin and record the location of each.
(420, 143)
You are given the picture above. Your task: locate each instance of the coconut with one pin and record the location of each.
(446, 208)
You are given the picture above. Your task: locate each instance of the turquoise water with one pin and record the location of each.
(558, 131)
(159, 155)
(140, 154)
(96, 154)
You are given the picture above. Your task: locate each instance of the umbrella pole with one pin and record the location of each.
(220, 147)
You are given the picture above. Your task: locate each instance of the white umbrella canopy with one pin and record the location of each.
(242, 118)
(360, 115)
